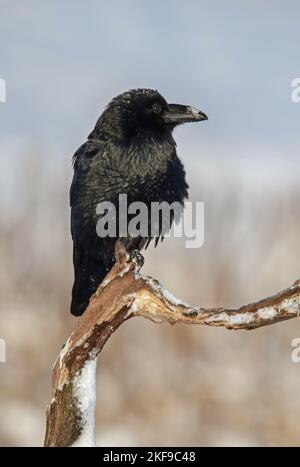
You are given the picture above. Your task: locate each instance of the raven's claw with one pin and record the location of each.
(137, 258)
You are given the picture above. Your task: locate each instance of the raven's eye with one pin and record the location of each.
(156, 108)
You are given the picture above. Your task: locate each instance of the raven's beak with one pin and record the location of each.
(177, 114)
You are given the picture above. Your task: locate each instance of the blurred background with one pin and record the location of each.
(157, 385)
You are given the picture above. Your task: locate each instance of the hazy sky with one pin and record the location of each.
(63, 60)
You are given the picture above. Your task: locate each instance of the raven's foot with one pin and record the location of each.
(137, 258)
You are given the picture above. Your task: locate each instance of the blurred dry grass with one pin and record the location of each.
(158, 385)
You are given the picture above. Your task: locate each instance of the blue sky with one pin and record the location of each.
(63, 60)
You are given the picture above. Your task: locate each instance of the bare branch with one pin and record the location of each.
(125, 294)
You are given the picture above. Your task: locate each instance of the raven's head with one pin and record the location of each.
(143, 110)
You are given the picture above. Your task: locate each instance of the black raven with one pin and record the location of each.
(130, 151)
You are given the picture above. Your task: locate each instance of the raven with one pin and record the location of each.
(130, 151)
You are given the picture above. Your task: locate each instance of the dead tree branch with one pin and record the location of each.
(125, 294)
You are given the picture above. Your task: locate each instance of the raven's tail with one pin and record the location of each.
(89, 273)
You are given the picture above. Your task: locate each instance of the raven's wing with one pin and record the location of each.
(81, 164)
(88, 271)
(98, 177)
(91, 254)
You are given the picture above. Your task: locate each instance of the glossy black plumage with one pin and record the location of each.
(130, 151)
